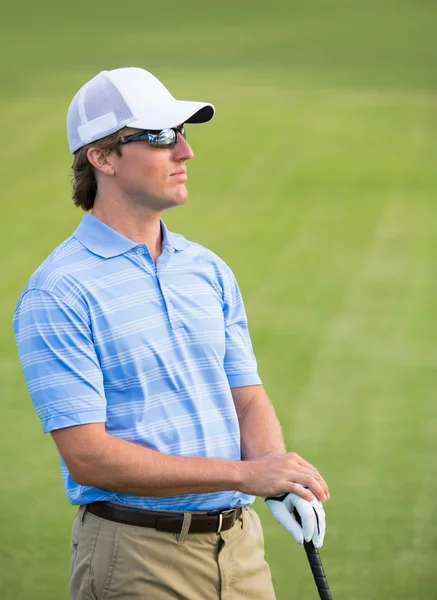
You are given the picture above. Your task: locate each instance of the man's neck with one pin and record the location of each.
(143, 228)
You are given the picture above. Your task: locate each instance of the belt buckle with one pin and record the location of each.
(220, 522)
(226, 512)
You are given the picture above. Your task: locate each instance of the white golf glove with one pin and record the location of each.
(311, 514)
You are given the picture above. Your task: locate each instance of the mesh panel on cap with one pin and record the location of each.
(97, 110)
(101, 97)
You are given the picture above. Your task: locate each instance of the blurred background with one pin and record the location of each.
(316, 182)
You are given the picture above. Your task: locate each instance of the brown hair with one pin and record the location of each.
(84, 176)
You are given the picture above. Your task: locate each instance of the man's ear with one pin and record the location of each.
(100, 160)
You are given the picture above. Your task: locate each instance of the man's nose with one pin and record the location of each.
(183, 149)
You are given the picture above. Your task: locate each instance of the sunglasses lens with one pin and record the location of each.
(166, 138)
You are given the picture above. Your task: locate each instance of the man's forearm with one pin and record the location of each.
(260, 430)
(104, 461)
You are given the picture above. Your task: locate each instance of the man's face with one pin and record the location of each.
(152, 177)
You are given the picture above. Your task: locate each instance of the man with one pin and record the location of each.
(137, 356)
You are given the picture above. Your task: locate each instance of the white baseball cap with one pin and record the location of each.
(127, 97)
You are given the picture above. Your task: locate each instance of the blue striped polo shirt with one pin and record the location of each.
(105, 335)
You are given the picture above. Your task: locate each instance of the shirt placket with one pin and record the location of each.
(157, 271)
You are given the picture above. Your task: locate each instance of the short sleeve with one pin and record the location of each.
(59, 361)
(239, 362)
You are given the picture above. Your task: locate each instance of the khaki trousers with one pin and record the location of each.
(113, 561)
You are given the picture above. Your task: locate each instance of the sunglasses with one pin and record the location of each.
(166, 138)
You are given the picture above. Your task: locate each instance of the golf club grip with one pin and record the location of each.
(316, 566)
(317, 571)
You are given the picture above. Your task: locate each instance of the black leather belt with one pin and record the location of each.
(169, 521)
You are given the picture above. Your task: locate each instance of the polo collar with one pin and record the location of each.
(104, 241)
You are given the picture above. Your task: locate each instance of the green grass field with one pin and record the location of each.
(317, 183)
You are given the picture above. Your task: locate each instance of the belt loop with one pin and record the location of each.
(185, 528)
(82, 510)
(244, 516)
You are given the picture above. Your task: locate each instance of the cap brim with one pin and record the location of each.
(173, 114)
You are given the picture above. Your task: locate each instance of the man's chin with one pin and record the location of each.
(181, 195)
(176, 200)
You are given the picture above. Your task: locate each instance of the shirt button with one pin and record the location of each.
(140, 250)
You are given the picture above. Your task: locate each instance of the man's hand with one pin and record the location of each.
(312, 516)
(278, 474)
